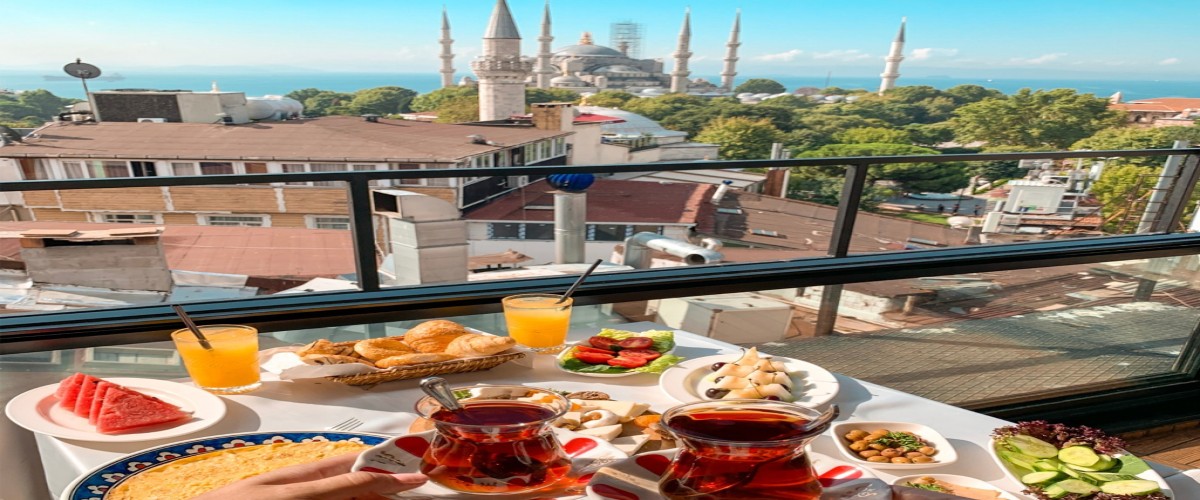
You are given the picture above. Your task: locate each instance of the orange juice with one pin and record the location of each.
(538, 321)
(230, 367)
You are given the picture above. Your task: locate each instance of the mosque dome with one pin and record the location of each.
(588, 50)
(567, 81)
(621, 69)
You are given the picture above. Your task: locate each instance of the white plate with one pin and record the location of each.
(969, 482)
(38, 411)
(945, 451)
(637, 478)
(403, 454)
(682, 381)
(1015, 474)
(558, 364)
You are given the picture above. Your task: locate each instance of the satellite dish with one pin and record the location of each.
(80, 69)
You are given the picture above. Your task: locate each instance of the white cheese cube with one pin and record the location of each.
(606, 433)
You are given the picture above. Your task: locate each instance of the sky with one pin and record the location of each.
(992, 38)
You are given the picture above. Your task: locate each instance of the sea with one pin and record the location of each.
(267, 83)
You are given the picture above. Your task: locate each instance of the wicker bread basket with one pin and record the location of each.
(426, 369)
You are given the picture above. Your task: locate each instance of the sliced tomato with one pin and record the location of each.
(636, 343)
(624, 362)
(647, 354)
(583, 348)
(604, 343)
(593, 358)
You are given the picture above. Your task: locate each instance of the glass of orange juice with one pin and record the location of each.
(230, 367)
(538, 321)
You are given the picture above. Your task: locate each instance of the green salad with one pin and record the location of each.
(618, 352)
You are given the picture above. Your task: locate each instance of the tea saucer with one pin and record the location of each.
(403, 454)
(637, 478)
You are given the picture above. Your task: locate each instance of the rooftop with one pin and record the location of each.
(608, 201)
(1161, 104)
(331, 138)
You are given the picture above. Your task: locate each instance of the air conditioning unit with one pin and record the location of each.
(152, 120)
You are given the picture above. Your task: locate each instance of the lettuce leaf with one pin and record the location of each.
(664, 340)
(660, 364)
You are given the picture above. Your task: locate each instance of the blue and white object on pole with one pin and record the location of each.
(571, 183)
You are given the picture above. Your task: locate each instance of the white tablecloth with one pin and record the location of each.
(316, 404)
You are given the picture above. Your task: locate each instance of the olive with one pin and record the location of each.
(922, 460)
(878, 458)
(856, 435)
(890, 453)
(716, 393)
(928, 450)
(868, 453)
(717, 366)
(859, 445)
(901, 460)
(718, 379)
(772, 398)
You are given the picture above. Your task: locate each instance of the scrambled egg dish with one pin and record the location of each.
(193, 476)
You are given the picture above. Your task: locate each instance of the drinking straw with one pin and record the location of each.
(187, 321)
(579, 281)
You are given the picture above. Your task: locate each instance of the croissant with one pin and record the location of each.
(473, 344)
(433, 336)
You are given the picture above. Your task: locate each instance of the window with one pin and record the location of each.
(327, 167)
(293, 168)
(504, 231)
(107, 169)
(329, 222)
(236, 220)
(127, 218)
(141, 356)
(606, 232)
(74, 170)
(647, 229)
(406, 166)
(184, 169)
(539, 231)
(216, 168)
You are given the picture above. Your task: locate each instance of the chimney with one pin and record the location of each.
(426, 237)
(559, 116)
(120, 259)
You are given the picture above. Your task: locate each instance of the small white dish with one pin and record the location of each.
(684, 382)
(969, 482)
(945, 451)
(38, 410)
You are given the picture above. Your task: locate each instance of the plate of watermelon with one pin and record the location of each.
(115, 409)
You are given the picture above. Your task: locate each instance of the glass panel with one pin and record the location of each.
(501, 231)
(129, 218)
(331, 223)
(289, 168)
(608, 232)
(216, 168)
(108, 169)
(539, 231)
(327, 167)
(235, 220)
(184, 169)
(73, 170)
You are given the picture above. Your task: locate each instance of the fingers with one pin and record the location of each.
(354, 484)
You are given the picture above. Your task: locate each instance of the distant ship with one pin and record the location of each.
(115, 77)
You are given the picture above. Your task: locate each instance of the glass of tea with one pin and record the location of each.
(741, 448)
(500, 442)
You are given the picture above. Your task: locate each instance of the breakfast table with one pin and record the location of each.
(315, 404)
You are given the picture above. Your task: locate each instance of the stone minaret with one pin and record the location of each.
(544, 69)
(679, 77)
(447, 56)
(500, 69)
(731, 58)
(891, 70)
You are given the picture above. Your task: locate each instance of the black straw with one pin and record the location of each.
(579, 281)
(187, 321)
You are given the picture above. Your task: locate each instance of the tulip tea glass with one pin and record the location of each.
(230, 367)
(496, 444)
(741, 448)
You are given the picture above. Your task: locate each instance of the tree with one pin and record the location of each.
(382, 101)
(1118, 184)
(47, 104)
(535, 95)
(430, 101)
(609, 99)
(930, 134)
(865, 135)
(740, 138)
(827, 190)
(658, 108)
(1049, 119)
(1139, 138)
(303, 94)
(760, 86)
(967, 94)
(458, 110)
(327, 102)
(908, 177)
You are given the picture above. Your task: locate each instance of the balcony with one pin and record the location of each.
(1102, 330)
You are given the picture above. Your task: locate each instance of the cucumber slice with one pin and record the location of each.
(1032, 446)
(1053, 491)
(1017, 459)
(1130, 487)
(1076, 486)
(1042, 477)
(1047, 464)
(1065, 469)
(1105, 477)
(1100, 466)
(1079, 455)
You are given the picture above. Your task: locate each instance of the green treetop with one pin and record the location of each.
(760, 86)
(740, 138)
(1050, 119)
(430, 101)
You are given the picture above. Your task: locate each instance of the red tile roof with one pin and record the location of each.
(612, 201)
(274, 252)
(1160, 104)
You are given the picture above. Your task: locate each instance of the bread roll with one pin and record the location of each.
(413, 359)
(473, 345)
(323, 346)
(377, 349)
(331, 359)
(433, 336)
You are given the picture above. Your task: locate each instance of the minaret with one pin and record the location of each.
(500, 69)
(447, 56)
(731, 57)
(679, 80)
(891, 70)
(544, 69)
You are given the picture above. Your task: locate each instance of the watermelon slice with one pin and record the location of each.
(125, 409)
(68, 391)
(83, 404)
(98, 400)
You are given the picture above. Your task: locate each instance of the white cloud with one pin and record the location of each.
(842, 55)
(928, 52)
(780, 57)
(1042, 59)
(1169, 61)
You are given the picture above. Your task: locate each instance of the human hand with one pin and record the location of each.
(327, 479)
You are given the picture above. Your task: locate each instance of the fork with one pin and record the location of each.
(346, 425)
